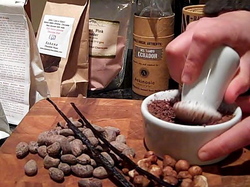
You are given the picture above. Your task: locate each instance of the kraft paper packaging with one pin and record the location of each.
(66, 75)
(150, 71)
(191, 13)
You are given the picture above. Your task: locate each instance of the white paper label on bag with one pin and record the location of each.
(103, 37)
(55, 35)
(14, 67)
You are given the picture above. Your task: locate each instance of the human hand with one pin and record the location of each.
(187, 54)
(233, 139)
(189, 51)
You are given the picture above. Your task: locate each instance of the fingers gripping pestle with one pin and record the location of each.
(201, 99)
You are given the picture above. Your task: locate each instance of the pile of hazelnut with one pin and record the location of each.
(169, 170)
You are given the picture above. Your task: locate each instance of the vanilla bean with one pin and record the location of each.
(96, 154)
(121, 155)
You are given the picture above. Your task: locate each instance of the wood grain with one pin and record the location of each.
(234, 171)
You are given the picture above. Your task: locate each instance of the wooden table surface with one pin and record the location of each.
(234, 171)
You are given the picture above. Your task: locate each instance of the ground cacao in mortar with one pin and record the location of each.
(163, 109)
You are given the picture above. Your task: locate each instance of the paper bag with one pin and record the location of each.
(22, 81)
(63, 44)
(109, 29)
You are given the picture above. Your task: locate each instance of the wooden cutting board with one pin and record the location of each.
(234, 171)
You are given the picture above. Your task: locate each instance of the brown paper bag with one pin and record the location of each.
(63, 42)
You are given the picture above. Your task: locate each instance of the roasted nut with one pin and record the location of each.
(132, 173)
(200, 181)
(195, 170)
(153, 159)
(148, 154)
(30, 168)
(168, 161)
(144, 163)
(184, 175)
(125, 171)
(182, 165)
(22, 150)
(186, 183)
(140, 181)
(170, 179)
(155, 170)
(169, 171)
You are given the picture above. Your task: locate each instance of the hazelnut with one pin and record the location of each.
(168, 170)
(125, 171)
(200, 181)
(195, 170)
(148, 154)
(132, 173)
(187, 183)
(171, 180)
(184, 175)
(155, 170)
(168, 161)
(140, 180)
(144, 163)
(182, 165)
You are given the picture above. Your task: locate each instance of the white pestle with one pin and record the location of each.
(200, 100)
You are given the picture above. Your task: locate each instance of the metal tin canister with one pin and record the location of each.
(150, 38)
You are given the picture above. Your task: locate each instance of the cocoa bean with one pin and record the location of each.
(22, 150)
(82, 170)
(30, 168)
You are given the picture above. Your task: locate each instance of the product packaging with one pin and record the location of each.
(109, 27)
(22, 81)
(63, 42)
(153, 30)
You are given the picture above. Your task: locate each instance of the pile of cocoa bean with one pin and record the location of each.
(63, 154)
